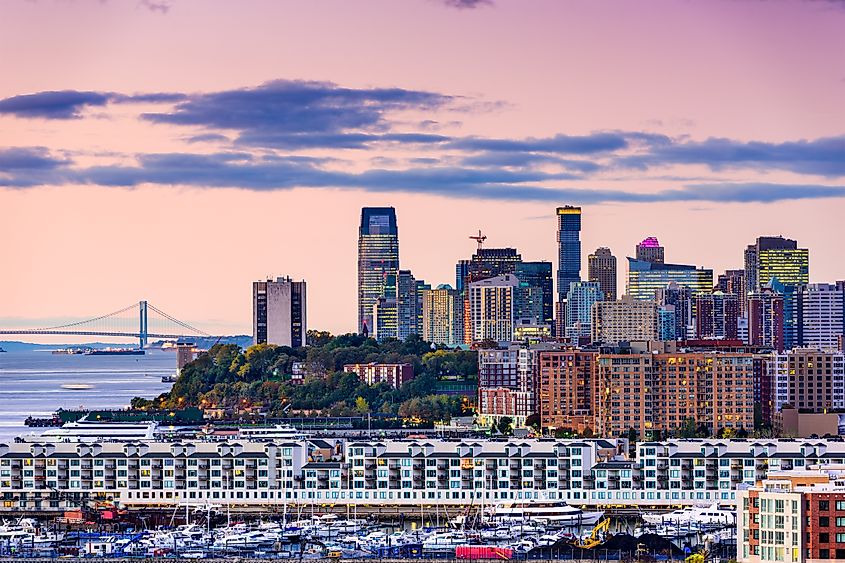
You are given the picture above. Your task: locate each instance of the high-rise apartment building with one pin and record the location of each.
(491, 308)
(806, 379)
(579, 309)
(443, 313)
(539, 274)
(624, 320)
(649, 250)
(407, 305)
(569, 248)
(566, 389)
(601, 268)
(733, 282)
(678, 300)
(378, 257)
(278, 312)
(819, 315)
(765, 319)
(645, 278)
(716, 316)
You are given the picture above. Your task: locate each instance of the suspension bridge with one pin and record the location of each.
(140, 320)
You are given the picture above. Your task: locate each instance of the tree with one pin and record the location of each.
(688, 429)
(533, 420)
(632, 435)
(361, 405)
(505, 426)
(587, 433)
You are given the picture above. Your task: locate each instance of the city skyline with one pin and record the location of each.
(109, 175)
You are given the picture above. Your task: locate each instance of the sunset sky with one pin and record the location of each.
(175, 151)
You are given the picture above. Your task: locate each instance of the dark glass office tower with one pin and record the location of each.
(539, 274)
(569, 248)
(378, 258)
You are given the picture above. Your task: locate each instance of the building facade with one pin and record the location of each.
(649, 250)
(623, 321)
(372, 373)
(579, 310)
(569, 248)
(378, 257)
(279, 312)
(819, 315)
(442, 316)
(539, 274)
(808, 379)
(645, 278)
(601, 268)
(491, 308)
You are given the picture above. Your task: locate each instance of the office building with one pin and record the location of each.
(373, 373)
(765, 319)
(528, 304)
(579, 310)
(443, 313)
(491, 308)
(601, 268)
(649, 250)
(569, 248)
(421, 287)
(624, 320)
(808, 379)
(279, 312)
(385, 319)
(716, 316)
(645, 278)
(461, 274)
(378, 257)
(819, 315)
(488, 263)
(539, 274)
(775, 257)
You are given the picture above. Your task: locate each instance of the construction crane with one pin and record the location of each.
(479, 238)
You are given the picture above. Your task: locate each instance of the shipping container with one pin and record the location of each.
(483, 552)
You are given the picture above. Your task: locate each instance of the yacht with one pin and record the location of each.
(277, 432)
(693, 516)
(85, 430)
(549, 513)
(444, 541)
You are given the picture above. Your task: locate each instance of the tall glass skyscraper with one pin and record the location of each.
(539, 274)
(378, 258)
(569, 248)
(645, 278)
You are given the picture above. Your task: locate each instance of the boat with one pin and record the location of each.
(444, 541)
(1, 350)
(69, 351)
(692, 516)
(76, 386)
(548, 513)
(168, 379)
(116, 352)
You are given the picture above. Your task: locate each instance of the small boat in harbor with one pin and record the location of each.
(76, 386)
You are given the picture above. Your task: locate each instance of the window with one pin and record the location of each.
(824, 505)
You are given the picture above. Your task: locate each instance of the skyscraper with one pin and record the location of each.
(765, 319)
(378, 257)
(644, 278)
(278, 312)
(649, 250)
(818, 315)
(407, 305)
(569, 248)
(716, 315)
(579, 309)
(442, 314)
(491, 308)
(539, 274)
(776, 257)
(601, 268)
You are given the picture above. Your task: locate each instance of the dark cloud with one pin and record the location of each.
(559, 144)
(208, 138)
(68, 104)
(824, 157)
(268, 173)
(300, 114)
(467, 4)
(64, 104)
(28, 158)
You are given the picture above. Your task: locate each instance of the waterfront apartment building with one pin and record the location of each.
(378, 257)
(491, 308)
(279, 312)
(662, 392)
(270, 474)
(372, 373)
(645, 278)
(601, 268)
(443, 316)
(809, 379)
(793, 516)
(569, 248)
(649, 250)
(624, 320)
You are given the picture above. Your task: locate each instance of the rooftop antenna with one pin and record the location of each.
(479, 238)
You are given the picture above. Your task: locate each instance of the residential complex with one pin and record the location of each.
(373, 373)
(624, 320)
(601, 268)
(279, 312)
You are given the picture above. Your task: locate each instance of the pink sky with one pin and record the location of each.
(772, 72)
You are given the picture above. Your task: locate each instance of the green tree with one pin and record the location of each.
(361, 405)
(505, 425)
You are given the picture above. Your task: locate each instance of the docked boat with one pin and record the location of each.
(548, 513)
(444, 541)
(692, 516)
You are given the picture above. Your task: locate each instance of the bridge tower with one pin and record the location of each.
(142, 331)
